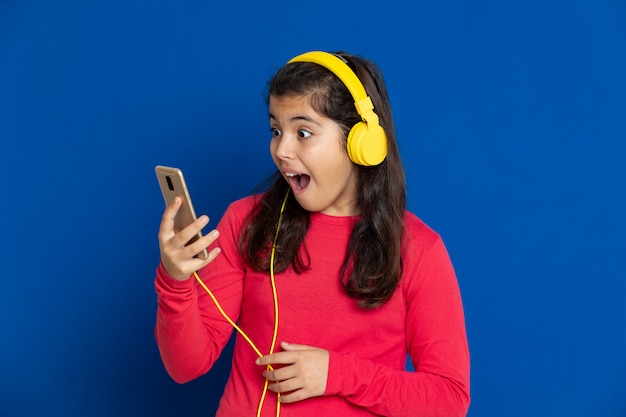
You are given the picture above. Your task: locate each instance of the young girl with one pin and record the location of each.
(330, 280)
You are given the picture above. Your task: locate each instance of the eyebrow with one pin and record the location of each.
(296, 118)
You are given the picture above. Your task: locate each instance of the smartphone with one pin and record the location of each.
(172, 183)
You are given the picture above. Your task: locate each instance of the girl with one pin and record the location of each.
(329, 279)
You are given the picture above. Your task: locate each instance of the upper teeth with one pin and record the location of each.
(291, 174)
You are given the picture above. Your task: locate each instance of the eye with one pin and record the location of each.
(275, 132)
(304, 133)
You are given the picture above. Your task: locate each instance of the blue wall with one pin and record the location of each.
(512, 122)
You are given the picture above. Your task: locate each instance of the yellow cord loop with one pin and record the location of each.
(275, 297)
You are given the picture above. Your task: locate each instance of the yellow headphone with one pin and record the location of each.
(367, 140)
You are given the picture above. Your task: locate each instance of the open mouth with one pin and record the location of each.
(298, 181)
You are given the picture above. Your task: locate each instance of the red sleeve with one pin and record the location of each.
(190, 331)
(436, 341)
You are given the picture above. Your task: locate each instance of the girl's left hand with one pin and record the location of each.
(304, 375)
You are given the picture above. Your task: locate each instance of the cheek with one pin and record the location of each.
(337, 170)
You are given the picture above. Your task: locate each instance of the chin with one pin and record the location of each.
(307, 204)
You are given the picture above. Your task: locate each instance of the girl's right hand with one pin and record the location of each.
(178, 259)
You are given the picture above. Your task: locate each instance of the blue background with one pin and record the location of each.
(511, 117)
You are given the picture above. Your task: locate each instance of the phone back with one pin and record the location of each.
(172, 183)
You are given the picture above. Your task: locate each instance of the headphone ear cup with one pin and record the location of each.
(367, 146)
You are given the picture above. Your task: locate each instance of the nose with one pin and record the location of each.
(284, 147)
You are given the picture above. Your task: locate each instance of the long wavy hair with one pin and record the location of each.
(373, 265)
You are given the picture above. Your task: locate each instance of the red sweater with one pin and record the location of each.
(368, 348)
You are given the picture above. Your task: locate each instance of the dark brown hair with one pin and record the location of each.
(372, 266)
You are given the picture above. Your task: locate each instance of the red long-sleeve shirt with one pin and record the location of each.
(368, 348)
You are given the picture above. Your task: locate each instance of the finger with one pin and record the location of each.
(182, 266)
(289, 354)
(286, 386)
(280, 374)
(190, 262)
(212, 255)
(283, 358)
(294, 346)
(167, 220)
(291, 390)
(195, 264)
(174, 205)
(197, 246)
(295, 396)
(178, 258)
(187, 256)
(191, 231)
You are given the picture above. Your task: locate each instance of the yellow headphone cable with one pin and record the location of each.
(275, 297)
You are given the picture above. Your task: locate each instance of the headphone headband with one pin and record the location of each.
(367, 141)
(339, 67)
